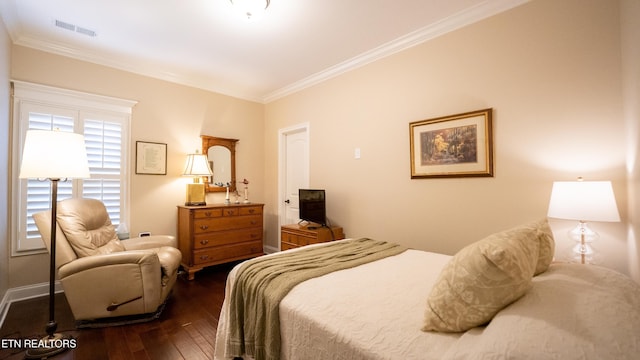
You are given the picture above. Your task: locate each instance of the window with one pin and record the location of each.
(105, 124)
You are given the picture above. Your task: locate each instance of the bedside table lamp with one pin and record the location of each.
(57, 156)
(197, 165)
(583, 201)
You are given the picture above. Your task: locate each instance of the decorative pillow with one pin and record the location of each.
(547, 246)
(87, 226)
(483, 278)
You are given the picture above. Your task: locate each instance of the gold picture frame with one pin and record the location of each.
(459, 145)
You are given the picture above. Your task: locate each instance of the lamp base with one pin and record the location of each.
(195, 203)
(582, 252)
(50, 345)
(195, 195)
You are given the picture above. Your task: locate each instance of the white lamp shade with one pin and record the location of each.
(584, 201)
(54, 155)
(197, 165)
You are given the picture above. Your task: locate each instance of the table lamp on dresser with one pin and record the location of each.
(197, 165)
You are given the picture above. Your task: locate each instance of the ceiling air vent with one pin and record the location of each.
(64, 25)
(85, 31)
(74, 28)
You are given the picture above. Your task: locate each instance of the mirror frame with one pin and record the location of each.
(209, 141)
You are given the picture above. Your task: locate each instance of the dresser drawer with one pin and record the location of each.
(228, 252)
(286, 246)
(230, 212)
(219, 233)
(227, 237)
(226, 223)
(250, 210)
(294, 239)
(206, 213)
(296, 235)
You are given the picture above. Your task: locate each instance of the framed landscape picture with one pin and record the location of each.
(458, 145)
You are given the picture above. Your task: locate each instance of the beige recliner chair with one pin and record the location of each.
(104, 277)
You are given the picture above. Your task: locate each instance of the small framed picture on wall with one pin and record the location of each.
(151, 158)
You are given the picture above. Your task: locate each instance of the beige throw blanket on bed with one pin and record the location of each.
(262, 282)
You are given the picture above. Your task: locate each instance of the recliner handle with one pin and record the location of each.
(114, 306)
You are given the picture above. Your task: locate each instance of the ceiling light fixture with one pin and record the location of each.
(251, 8)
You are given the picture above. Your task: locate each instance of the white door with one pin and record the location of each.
(294, 171)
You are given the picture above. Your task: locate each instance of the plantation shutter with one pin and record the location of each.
(39, 191)
(104, 122)
(103, 140)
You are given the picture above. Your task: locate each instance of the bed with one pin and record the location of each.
(377, 310)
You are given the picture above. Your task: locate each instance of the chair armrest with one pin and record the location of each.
(134, 257)
(150, 242)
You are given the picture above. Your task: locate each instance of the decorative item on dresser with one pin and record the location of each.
(295, 235)
(216, 234)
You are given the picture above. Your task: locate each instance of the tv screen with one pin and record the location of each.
(312, 206)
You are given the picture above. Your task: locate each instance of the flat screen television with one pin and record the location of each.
(312, 206)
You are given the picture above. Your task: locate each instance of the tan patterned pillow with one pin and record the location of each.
(481, 279)
(547, 246)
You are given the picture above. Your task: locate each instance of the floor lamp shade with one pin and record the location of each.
(54, 155)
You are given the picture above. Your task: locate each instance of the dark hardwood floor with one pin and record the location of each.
(186, 328)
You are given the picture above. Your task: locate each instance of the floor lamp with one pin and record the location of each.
(54, 155)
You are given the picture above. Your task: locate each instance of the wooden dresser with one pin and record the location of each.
(216, 234)
(292, 236)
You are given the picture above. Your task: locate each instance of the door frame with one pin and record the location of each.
(282, 141)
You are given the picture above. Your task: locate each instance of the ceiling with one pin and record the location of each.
(206, 44)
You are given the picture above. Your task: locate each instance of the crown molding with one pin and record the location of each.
(451, 23)
(131, 65)
(456, 21)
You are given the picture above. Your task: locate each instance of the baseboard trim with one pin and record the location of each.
(24, 293)
(270, 249)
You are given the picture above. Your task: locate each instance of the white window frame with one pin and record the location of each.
(83, 106)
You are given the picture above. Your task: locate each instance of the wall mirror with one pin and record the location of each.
(221, 153)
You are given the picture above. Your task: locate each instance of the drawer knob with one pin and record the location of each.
(253, 222)
(204, 242)
(251, 211)
(207, 213)
(204, 227)
(204, 257)
(229, 212)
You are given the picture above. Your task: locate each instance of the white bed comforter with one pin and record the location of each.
(375, 311)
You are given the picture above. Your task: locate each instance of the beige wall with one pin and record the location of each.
(167, 113)
(551, 72)
(630, 13)
(5, 65)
